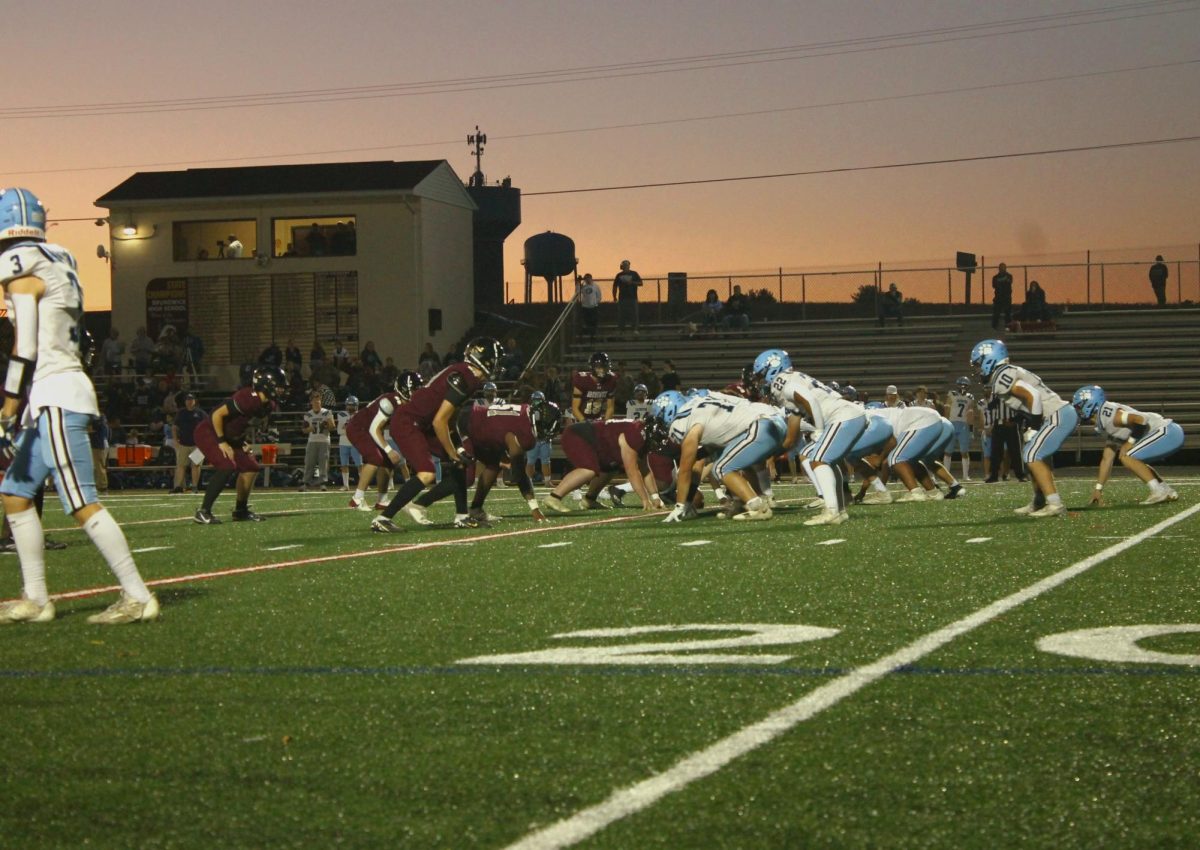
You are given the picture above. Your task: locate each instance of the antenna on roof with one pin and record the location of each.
(478, 140)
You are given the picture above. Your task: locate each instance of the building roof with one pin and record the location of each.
(255, 180)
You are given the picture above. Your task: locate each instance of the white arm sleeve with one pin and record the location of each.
(25, 316)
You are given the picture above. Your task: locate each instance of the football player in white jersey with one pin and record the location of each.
(1133, 437)
(741, 433)
(48, 403)
(347, 453)
(838, 424)
(920, 435)
(962, 412)
(639, 406)
(1048, 420)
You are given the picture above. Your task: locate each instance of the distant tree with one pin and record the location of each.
(865, 296)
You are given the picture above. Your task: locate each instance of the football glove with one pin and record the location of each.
(678, 513)
(8, 435)
(464, 457)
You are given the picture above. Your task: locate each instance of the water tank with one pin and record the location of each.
(549, 255)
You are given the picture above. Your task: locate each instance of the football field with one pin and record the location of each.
(940, 674)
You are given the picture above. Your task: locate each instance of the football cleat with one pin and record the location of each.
(731, 508)
(246, 515)
(26, 611)
(53, 545)
(1166, 494)
(553, 503)
(1049, 510)
(204, 517)
(469, 521)
(417, 514)
(828, 518)
(593, 505)
(763, 513)
(877, 498)
(383, 525)
(1026, 510)
(127, 610)
(956, 491)
(815, 503)
(913, 496)
(483, 516)
(617, 496)
(360, 505)
(934, 495)
(379, 506)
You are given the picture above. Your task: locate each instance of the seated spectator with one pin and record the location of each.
(513, 361)
(389, 373)
(737, 310)
(271, 356)
(292, 355)
(891, 305)
(341, 355)
(1035, 309)
(316, 357)
(370, 357)
(552, 386)
(428, 363)
(710, 311)
(670, 378)
(111, 352)
(649, 377)
(452, 355)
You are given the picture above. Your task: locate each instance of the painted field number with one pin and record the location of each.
(1120, 644)
(672, 651)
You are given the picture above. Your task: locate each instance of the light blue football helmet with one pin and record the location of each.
(666, 406)
(696, 392)
(987, 355)
(849, 393)
(875, 405)
(22, 215)
(770, 363)
(1088, 401)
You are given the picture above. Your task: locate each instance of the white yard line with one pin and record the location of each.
(150, 549)
(832, 542)
(642, 795)
(983, 539)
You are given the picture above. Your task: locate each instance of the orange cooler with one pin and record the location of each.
(270, 453)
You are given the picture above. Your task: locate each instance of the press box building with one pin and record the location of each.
(354, 251)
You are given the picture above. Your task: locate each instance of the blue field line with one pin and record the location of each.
(576, 670)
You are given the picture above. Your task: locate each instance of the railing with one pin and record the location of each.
(557, 335)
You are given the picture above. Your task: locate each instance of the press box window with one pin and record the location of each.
(323, 236)
(211, 240)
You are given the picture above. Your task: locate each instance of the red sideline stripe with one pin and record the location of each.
(258, 568)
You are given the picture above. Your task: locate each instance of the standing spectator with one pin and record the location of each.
(183, 432)
(891, 305)
(921, 399)
(98, 436)
(142, 351)
(271, 356)
(670, 378)
(891, 396)
(589, 306)
(292, 358)
(234, 249)
(318, 423)
(737, 310)
(1158, 280)
(625, 292)
(370, 357)
(389, 373)
(552, 386)
(1001, 296)
(111, 352)
(512, 364)
(315, 240)
(710, 311)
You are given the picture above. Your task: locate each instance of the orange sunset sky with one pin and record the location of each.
(593, 94)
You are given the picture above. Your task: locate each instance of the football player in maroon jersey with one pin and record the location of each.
(493, 435)
(365, 432)
(598, 449)
(594, 393)
(222, 439)
(422, 427)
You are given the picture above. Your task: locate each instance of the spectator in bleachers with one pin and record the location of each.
(1002, 283)
(142, 352)
(710, 311)
(512, 363)
(589, 305)
(646, 375)
(428, 363)
(552, 386)
(297, 392)
(341, 355)
(111, 352)
(292, 356)
(625, 293)
(389, 373)
(1035, 308)
(891, 396)
(670, 379)
(271, 355)
(326, 394)
(452, 355)
(184, 437)
(1158, 280)
(736, 315)
(316, 357)
(921, 398)
(891, 305)
(370, 357)
(625, 384)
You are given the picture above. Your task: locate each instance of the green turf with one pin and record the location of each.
(322, 703)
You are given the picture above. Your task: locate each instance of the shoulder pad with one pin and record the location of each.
(386, 406)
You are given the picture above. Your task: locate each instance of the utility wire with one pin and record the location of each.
(1126, 11)
(853, 168)
(625, 126)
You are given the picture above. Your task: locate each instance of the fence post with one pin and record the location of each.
(1179, 281)
(658, 297)
(949, 293)
(728, 287)
(781, 284)
(803, 297)
(1089, 276)
(1103, 294)
(1026, 268)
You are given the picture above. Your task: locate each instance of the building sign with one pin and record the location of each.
(166, 304)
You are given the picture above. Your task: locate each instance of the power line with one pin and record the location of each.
(1107, 14)
(627, 125)
(853, 168)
